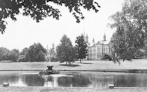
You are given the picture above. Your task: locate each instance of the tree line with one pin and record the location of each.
(64, 52)
(34, 53)
(6, 54)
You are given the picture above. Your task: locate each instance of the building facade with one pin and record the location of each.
(97, 50)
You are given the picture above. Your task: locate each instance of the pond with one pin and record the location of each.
(75, 79)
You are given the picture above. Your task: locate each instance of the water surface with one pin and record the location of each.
(75, 79)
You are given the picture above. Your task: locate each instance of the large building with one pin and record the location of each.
(97, 50)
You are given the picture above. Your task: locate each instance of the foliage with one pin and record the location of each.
(36, 52)
(24, 51)
(81, 46)
(131, 29)
(14, 54)
(138, 54)
(65, 50)
(106, 57)
(39, 9)
(6, 54)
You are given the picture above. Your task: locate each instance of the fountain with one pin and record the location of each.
(49, 71)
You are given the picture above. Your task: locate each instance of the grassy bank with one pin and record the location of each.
(44, 89)
(85, 65)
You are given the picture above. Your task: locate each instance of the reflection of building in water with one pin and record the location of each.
(98, 49)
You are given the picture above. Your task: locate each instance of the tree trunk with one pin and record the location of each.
(80, 60)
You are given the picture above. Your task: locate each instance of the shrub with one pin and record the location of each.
(106, 57)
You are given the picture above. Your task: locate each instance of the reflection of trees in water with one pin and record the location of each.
(130, 80)
(80, 81)
(99, 80)
(33, 80)
(86, 79)
(125, 81)
(119, 80)
(10, 78)
(64, 81)
(75, 81)
(143, 80)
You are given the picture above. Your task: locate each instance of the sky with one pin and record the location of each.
(25, 31)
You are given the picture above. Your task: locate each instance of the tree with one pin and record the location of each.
(24, 51)
(39, 9)
(4, 53)
(81, 46)
(36, 52)
(22, 57)
(65, 50)
(131, 29)
(13, 55)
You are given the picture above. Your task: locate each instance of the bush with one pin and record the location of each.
(106, 57)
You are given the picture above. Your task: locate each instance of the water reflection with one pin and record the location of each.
(12, 79)
(7, 78)
(78, 79)
(131, 80)
(33, 80)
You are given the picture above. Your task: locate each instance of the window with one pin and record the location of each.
(98, 49)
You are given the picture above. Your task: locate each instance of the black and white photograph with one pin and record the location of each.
(73, 45)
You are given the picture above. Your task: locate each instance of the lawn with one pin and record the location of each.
(85, 65)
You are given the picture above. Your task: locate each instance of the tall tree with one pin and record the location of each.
(36, 52)
(81, 46)
(131, 28)
(4, 53)
(39, 9)
(65, 50)
(13, 55)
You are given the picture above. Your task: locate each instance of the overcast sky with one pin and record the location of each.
(25, 31)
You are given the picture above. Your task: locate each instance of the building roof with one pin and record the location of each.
(98, 43)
